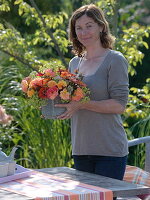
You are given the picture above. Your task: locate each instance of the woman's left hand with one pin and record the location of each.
(71, 107)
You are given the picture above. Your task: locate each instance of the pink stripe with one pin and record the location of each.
(104, 194)
(66, 197)
(101, 195)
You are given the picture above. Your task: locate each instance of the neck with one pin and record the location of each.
(95, 50)
(95, 53)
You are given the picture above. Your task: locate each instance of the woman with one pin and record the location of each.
(99, 141)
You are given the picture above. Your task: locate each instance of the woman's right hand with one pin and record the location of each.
(71, 107)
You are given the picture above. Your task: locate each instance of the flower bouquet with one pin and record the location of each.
(48, 87)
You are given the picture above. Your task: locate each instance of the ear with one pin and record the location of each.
(102, 28)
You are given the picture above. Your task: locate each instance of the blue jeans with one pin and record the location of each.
(113, 167)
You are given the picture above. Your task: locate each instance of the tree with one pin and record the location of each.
(21, 48)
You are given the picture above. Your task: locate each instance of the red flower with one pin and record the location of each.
(39, 74)
(52, 92)
(43, 93)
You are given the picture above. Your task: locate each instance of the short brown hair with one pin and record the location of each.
(97, 15)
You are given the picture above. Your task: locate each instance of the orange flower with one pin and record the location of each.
(36, 82)
(28, 79)
(77, 81)
(45, 81)
(30, 92)
(24, 86)
(64, 94)
(78, 94)
(61, 84)
(51, 84)
(49, 72)
(52, 92)
(66, 74)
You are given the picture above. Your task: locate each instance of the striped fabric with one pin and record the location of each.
(138, 176)
(40, 186)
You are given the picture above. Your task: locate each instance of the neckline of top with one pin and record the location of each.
(96, 57)
(81, 59)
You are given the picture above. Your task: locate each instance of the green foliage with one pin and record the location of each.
(138, 106)
(129, 44)
(134, 11)
(27, 12)
(137, 121)
(46, 142)
(4, 5)
(25, 47)
(44, 22)
(108, 6)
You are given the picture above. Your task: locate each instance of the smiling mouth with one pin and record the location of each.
(86, 38)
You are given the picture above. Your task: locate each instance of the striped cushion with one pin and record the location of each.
(137, 176)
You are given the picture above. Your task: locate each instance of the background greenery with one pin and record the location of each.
(34, 33)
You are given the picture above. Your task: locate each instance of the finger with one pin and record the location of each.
(61, 116)
(64, 116)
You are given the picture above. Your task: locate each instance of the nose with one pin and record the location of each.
(84, 32)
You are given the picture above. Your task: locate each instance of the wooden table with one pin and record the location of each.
(119, 188)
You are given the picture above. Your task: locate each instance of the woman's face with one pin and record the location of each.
(87, 31)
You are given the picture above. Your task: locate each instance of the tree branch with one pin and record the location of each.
(48, 31)
(18, 58)
(115, 18)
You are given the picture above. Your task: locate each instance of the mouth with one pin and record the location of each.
(85, 39)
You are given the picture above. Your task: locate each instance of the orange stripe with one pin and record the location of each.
(109, 195)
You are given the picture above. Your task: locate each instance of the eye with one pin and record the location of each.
(78, 28)
(89, 26)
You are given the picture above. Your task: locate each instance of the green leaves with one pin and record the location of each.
(138, 105)
(4, 5)
(48, 32)
(53, 21)
(12, 43)
(18, 2)
(107, 6)
(132, 39)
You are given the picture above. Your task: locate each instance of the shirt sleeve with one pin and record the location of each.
(118, 83)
